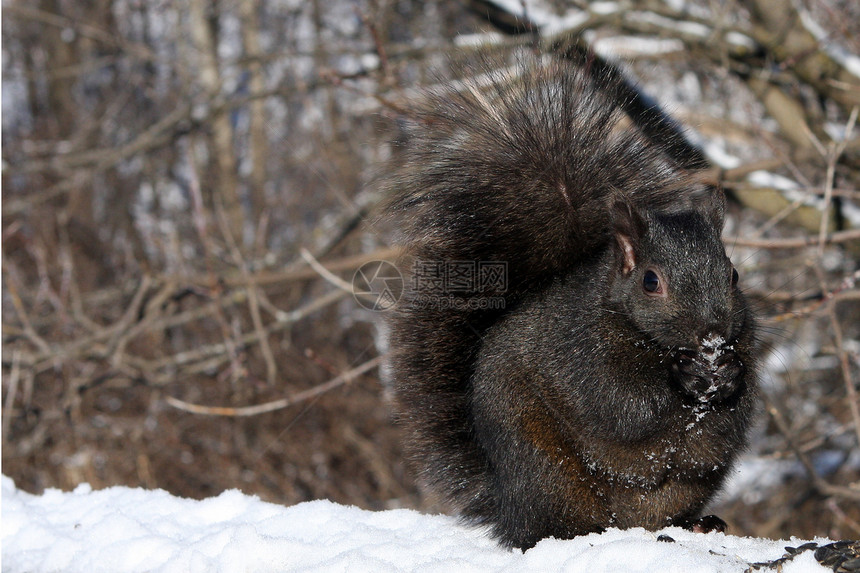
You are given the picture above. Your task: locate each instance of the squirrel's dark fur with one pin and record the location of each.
(610, 380)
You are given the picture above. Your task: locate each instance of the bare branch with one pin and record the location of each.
(345, 378)
(797, 243)
(325, 273)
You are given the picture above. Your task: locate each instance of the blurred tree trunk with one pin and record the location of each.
(257, 142)
(225, 187)
(61, 49)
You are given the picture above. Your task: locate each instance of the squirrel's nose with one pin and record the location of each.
(713, 341)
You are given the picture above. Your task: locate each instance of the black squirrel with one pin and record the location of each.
(574, 352)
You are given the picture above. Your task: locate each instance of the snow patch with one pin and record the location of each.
(122, 529)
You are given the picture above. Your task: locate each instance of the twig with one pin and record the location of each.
(86, 30)
(841, 516)
(831, 296)
(253, 302)
(131, 314)
(201, 226)
(797, 243)
(377, 42)
(216, 354)
(818, 482)
(292, 274)
(324, 272)
(100, 159)
(149, 314)
(12, 289)
(11, 393)
(345, 378)
(836, 151)
(850, 391)
(107, 333)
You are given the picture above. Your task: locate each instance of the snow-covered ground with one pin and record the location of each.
(122, 529)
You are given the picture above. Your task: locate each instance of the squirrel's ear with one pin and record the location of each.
(711, 203)
(628, 228)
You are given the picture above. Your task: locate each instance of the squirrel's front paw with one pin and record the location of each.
(709, 374)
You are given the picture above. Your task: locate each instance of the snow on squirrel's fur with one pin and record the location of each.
(121, 529)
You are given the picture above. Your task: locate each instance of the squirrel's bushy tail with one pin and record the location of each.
(505, 182)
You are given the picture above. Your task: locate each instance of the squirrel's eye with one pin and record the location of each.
(651, 283)
(735, 277)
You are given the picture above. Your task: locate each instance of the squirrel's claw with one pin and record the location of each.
(704, 524)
